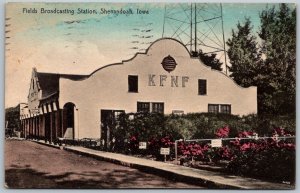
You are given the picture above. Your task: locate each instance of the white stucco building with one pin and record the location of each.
(165, 79)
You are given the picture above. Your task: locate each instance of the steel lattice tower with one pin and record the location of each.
(197, 26)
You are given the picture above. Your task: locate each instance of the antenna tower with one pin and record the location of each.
(199, 26)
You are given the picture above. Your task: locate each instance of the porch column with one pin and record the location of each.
(55, 120)
(43, 133)
(41, 122)
(51, 127)
(62, 123)
(30, 126)
(39, 126)
(34, 127)
(25, 127)
(58, 124)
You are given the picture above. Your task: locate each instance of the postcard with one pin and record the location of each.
(150, 95)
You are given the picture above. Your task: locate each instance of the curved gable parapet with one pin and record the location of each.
(168, 46)
(114, 64)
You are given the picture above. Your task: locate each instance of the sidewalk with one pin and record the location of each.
(209, 179)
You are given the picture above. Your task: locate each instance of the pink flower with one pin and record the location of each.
(206, 147)
(186, 153)
(245, 147)
(222, 132)
(225, 152)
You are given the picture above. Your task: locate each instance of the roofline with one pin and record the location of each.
(138, 53)
(58, 74)
(146, 52)
(49, 96)
(82, 76)
(62, 74)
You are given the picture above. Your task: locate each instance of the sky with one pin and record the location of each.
(82, 43)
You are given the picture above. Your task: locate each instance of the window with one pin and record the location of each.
(213, 108)
(202, 87)
(158, 107)
(226, 109)
(143, 107)
(148, 107)
(216, 108)
(132, 83)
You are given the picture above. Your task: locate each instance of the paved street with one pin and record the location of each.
(31, 165)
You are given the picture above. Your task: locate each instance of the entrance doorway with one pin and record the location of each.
(68, 118)
(108, 123)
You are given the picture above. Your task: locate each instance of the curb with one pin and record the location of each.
(173, 175)
(161, 172)
(49, 145)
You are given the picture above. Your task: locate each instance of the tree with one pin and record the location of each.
(244, 56)
(210, 60)
(12, 117)
(272, 66)
(278, 34)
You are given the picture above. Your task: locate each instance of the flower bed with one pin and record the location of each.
(244, 154)
(270, 158)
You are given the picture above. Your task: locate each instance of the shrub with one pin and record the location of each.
(269, 159)
(180, 127)
(264, 158)
(273, 163)
(155, 144)
(197, 125)
(264, 124)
